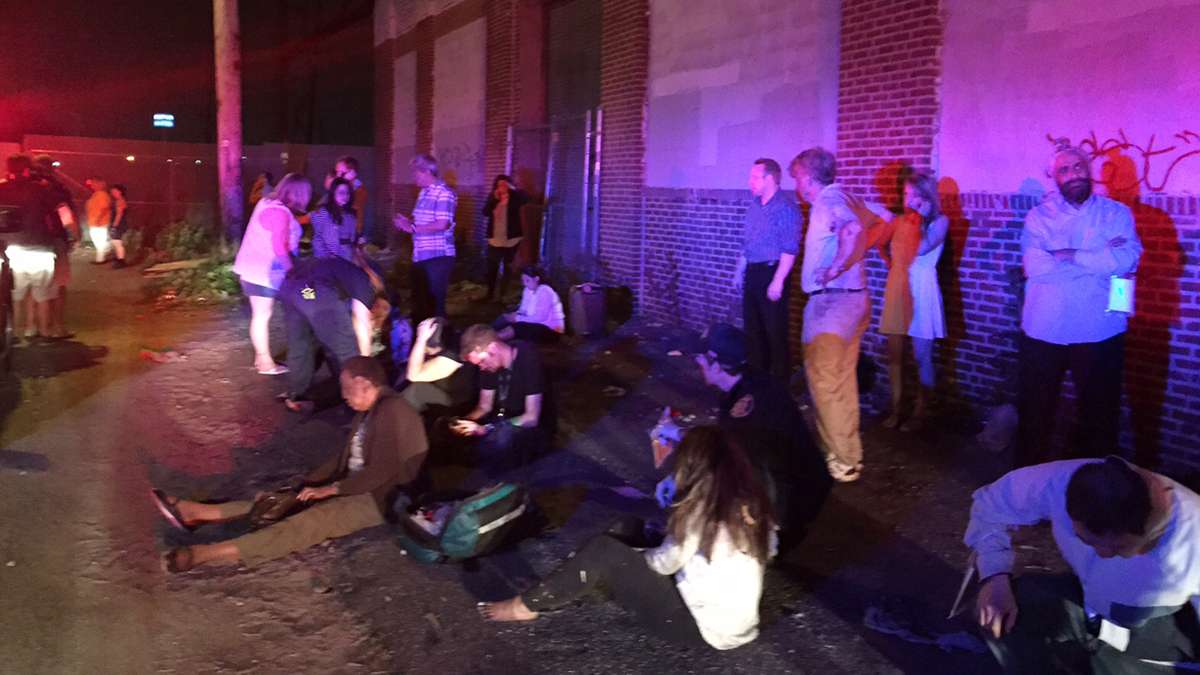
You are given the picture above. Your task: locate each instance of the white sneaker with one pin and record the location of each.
(842, 472)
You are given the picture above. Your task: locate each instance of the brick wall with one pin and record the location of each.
(624, 49)
(888, 111)
(676, 247)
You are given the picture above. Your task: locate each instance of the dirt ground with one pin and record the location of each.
(88, 427)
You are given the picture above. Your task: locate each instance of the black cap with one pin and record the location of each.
(727, 342)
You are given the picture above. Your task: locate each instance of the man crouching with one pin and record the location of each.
(348, 493)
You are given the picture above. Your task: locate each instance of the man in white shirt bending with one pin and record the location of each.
(1075, 243)
(1132, 539)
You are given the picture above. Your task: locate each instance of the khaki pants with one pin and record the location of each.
(834, 324)
(329, 519)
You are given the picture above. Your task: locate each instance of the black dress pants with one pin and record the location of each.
(1096, 370)
(766, 322)
(1054, 635)
(495, 256)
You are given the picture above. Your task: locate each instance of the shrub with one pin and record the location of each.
(185, 240)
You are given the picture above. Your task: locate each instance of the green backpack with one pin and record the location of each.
(451, 531)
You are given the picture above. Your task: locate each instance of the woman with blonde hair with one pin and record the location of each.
(912, 301)
(271, 240)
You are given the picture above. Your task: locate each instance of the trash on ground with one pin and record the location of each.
(674, 352)
(160, 356)
(612, 391)
(880, 621)
(630, 492)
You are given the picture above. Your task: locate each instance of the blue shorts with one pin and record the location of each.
(258, 291)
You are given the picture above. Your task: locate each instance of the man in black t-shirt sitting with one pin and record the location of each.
(511, 417)
(327, 304)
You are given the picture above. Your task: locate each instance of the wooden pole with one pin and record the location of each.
(227, 40)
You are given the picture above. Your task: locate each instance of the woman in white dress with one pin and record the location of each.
(912, 301)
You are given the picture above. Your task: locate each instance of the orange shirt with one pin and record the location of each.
(99, 208)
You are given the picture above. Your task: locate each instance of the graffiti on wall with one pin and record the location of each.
(1131, 165)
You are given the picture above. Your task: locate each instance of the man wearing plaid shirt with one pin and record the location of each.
(432, 230)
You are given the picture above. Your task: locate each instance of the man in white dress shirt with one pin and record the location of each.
(1074, 244)
(1132, 540)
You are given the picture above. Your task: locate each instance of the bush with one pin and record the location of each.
(212, 280)
(185, 240)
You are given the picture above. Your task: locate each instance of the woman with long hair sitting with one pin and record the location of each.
(703, 584)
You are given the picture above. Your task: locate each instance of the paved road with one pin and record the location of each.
(88, 427)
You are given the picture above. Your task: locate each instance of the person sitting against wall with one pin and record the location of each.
(703, 584)
(504, 233)
(351, 491)
(271, 241)
(912, 301)
(539, 318)
(437, 380)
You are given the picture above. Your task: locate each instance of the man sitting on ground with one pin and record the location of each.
(1132, 538)
(510, 416)
(350, 492)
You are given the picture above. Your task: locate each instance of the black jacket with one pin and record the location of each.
(516, 199)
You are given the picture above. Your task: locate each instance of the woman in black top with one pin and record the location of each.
(503, 213)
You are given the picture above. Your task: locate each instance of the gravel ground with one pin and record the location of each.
(89, 427)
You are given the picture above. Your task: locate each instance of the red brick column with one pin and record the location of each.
(625, 51)
(887, 91)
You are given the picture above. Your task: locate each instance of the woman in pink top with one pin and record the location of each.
(272, 237)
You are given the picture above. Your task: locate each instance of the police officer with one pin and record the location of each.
(327, 305)
(758, 411)
(27, 230)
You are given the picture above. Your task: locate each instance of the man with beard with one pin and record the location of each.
(1075, 243)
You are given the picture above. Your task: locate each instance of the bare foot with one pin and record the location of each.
(507, 610)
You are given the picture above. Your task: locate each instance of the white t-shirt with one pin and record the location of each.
(542, 306)
(722, 594)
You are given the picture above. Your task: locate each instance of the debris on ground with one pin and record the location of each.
(613, 391)
(674, 352)
(161, 355)
(630, 492)
(879, 620)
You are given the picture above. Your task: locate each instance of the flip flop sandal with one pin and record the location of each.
(167, 508)
(177, 560)
(275, 370)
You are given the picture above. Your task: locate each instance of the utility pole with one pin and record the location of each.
(227, 39)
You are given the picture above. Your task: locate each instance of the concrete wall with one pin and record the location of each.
(459, 72)
(404, 130)
(1111, 74)
(734, 81)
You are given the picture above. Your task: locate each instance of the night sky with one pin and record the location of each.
(72, 68)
